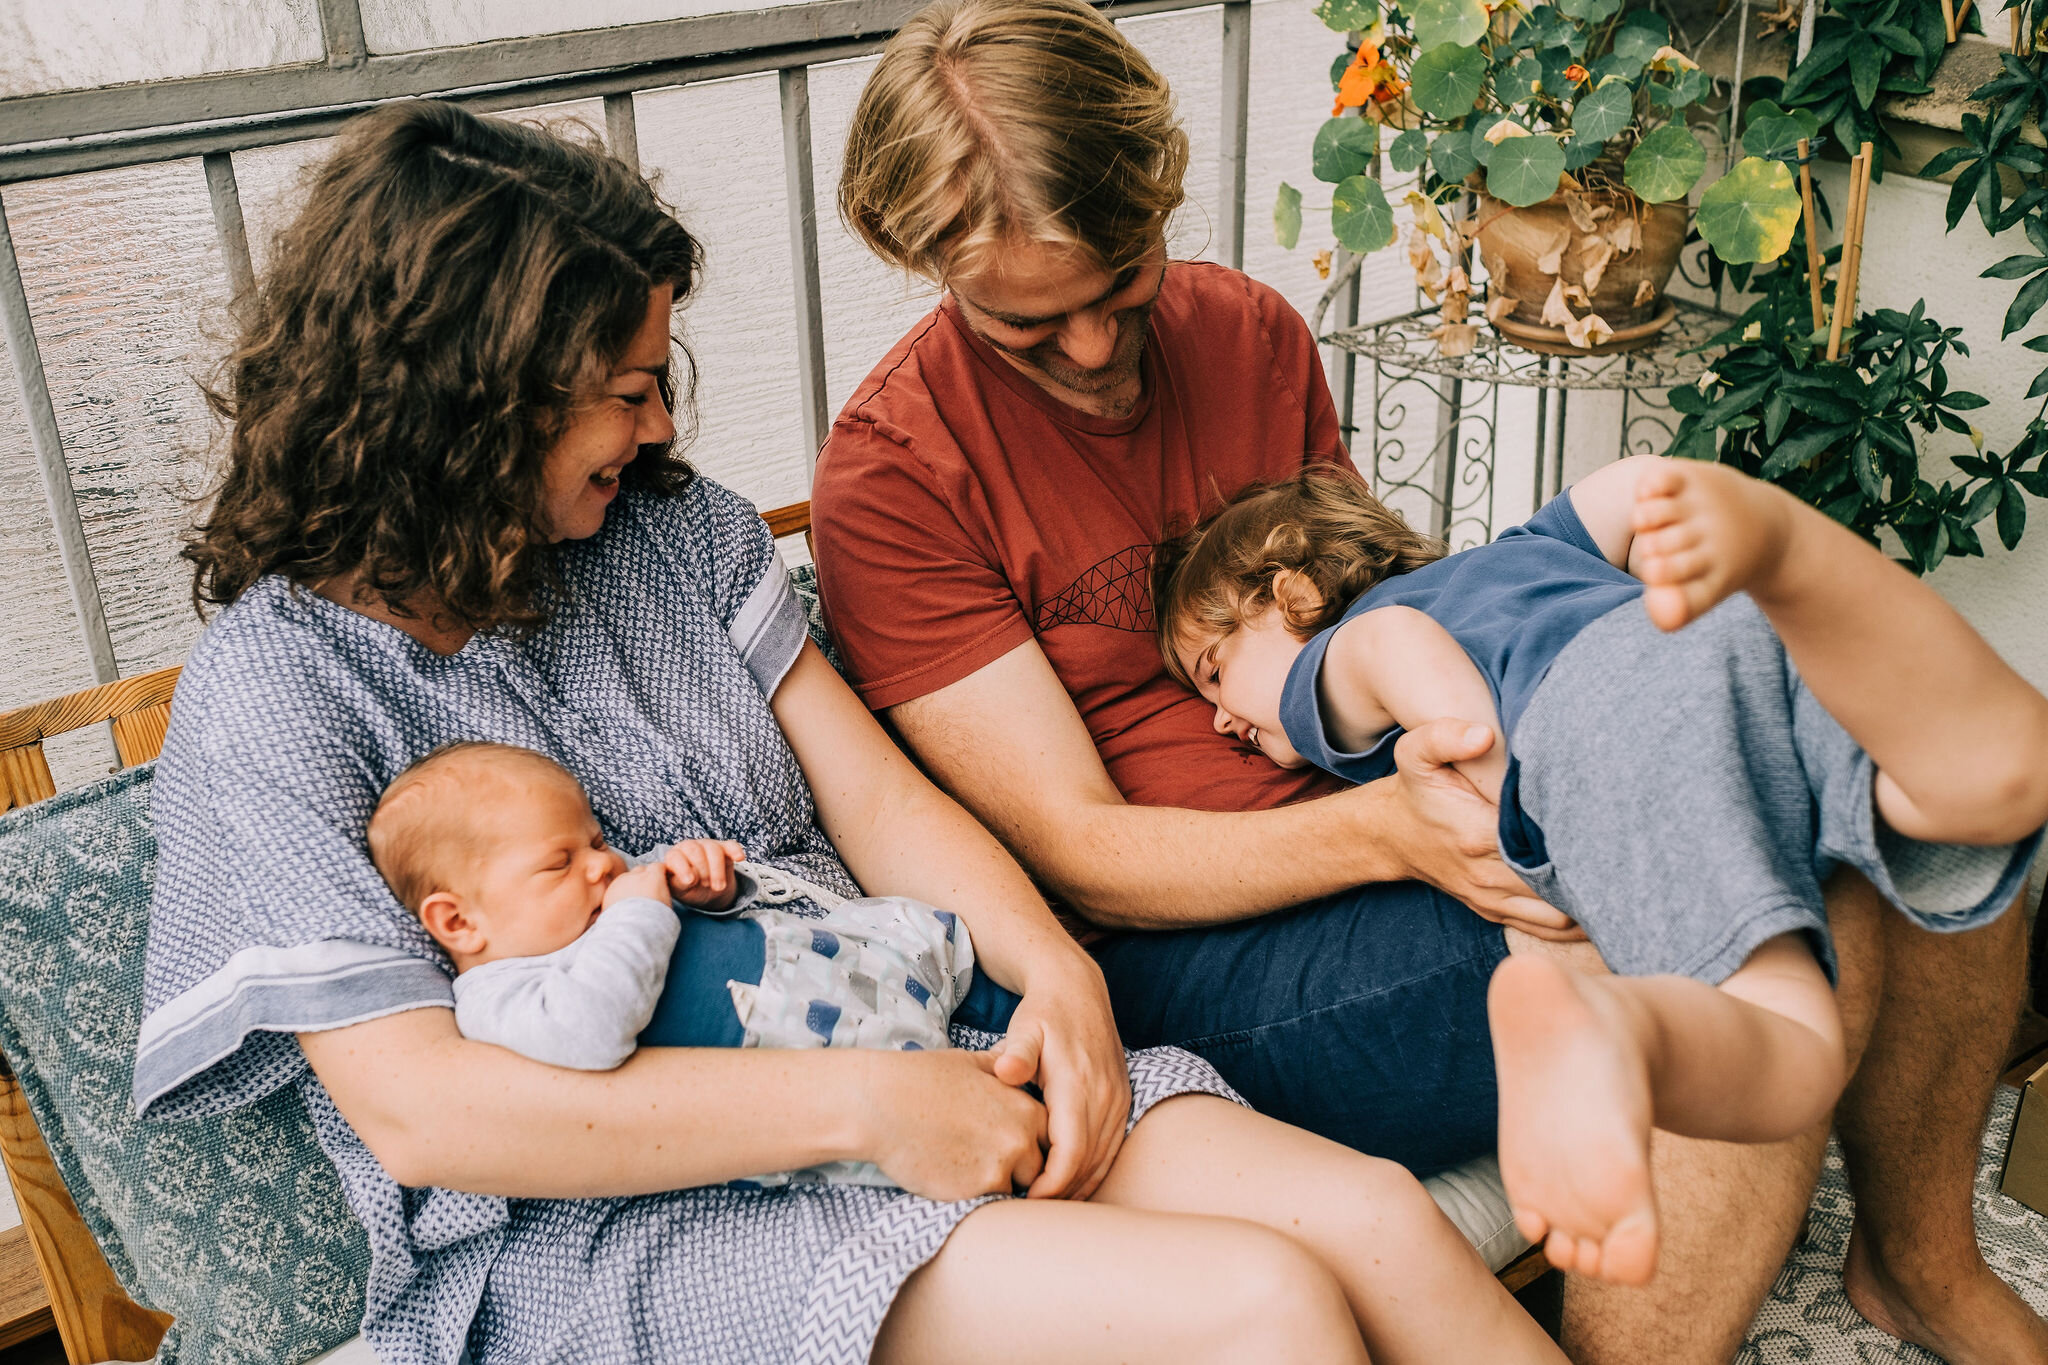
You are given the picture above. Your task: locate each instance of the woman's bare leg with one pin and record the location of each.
(1418, 1290)
(1030, 1281)
(1590, 1064)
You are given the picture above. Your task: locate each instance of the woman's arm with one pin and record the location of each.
(1397, 666)
(1606, 502)
(900, 835)
(436, 1108)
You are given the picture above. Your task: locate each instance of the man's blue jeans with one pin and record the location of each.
(1361, 1016)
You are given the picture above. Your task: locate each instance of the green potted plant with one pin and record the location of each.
(1556, 138)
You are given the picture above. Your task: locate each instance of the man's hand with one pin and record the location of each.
(1449, 832)
(1063, 1037)
(646, 883)
(700, 872)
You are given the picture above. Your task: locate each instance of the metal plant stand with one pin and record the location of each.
(1456, 472)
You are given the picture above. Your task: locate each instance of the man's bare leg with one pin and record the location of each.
(1728, 1213)
(1911, 1124)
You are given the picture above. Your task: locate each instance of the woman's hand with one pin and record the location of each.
(1063, 1037)
(1450, 834)
(944, 1127)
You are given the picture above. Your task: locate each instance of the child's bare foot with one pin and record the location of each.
(1574, 1123)
(1704, 532)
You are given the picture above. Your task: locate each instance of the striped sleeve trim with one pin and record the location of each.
(311, 987)
(770, 627)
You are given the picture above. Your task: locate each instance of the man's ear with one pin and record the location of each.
(452, 926)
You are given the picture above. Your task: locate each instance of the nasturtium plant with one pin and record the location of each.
(1361, 216)
(1525, 170)
(1344, 147)
(1409, 150)
(1447, 80)
(1287, 216)
(1747, 216)
(1601, 114)
(1447, 21)
(1665, 165)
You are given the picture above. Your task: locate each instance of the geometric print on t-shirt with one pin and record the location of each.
(1116, 592)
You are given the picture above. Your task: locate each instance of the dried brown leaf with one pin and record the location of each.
(1456, 338)
(1552, 258)
(1499, 306)
(1599, 251)
(1555, 313)
(1645, 293)
(1626, 234)
(1590, 330)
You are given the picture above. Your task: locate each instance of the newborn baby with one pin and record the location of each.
(571, 954)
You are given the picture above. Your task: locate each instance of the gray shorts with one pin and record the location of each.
(1692, 797)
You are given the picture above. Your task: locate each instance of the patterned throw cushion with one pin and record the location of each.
(235, 1225)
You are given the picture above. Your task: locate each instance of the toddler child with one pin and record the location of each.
(569, 953)
(1682, 796)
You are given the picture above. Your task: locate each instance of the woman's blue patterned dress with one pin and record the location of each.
(652, 686)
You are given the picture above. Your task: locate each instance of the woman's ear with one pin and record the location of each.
(452, 926)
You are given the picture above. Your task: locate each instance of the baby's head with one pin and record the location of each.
(494, 847)
(1238, 596)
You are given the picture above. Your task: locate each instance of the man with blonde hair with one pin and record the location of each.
(984, 509)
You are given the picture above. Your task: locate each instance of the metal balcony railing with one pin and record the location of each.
(212, 117)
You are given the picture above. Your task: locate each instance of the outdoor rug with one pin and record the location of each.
(1808, 1321)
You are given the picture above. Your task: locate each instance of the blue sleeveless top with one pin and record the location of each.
(1512, 604)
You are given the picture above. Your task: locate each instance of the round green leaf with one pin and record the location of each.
(1287, 216)
(1451, 155)
(1602, 113)
(1446, 21)
(1579, 154)
(1773, 132)
(1525, 170)
(1346, 16)
(1409, 151)
(1520, 81)
(1446, 80)
(1343, 148)
(1339, 67)
(1747, 215)
(1665, 165)
(1476, 128)
(1361, 216)
(1642, 32)
(1589, 11)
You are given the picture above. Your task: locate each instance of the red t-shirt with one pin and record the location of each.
(959, 510)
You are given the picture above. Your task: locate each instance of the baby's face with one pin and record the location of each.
(540, 883)
(1242, 676)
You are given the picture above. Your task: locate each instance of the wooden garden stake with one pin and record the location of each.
(1852, 248)
(1948, 19)
(1813, 258)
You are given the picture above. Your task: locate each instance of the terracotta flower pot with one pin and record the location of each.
(1626, 248)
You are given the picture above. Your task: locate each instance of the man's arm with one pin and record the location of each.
(1007, 742)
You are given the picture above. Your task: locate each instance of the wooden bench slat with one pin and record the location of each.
(33, 724)
(25, 776)
(95, 1317)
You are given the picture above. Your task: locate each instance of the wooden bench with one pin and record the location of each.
(79, 1293)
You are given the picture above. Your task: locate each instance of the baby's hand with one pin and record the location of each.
(649, 883)
(700, 872)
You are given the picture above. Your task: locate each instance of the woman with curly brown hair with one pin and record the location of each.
(453, 512)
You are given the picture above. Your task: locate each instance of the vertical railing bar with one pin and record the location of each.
(1237, 82)
(621, 129)
(49, 447)
(1450, 409)
(226, 199)
(795, 85)
(341, 29)
(1347, 363)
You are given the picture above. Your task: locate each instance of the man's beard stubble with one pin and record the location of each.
(1048, 359)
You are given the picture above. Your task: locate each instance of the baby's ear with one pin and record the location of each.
(1296, 596)
(449, 924)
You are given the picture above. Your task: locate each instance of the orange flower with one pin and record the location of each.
(1368, 78)
(1576, 74)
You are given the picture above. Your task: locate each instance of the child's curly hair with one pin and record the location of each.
(1323, 524)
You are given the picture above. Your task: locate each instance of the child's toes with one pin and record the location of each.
(1668, 605)
(1533, 1226)
(1561, 1249)
(1661, 480)
(1629, 1255)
